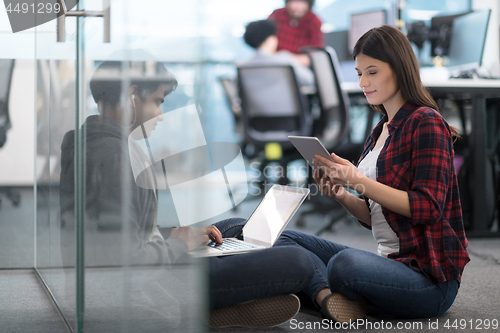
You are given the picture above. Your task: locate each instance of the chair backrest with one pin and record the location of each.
(6, 71)
(230, 87)
(333, 122)
(231, 91)
(272, 105)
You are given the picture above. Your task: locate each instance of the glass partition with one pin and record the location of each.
(55, 110)
(108, 153)
(116, 122)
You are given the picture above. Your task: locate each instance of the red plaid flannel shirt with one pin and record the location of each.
(306, 33)
(418, 158)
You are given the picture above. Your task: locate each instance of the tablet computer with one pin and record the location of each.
(308, 147)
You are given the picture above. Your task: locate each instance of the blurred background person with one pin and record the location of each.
(298, 26)
(261, 35)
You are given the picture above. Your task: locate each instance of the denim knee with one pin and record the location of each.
(344, 268)
(299, 261)
(449, 290)
(231, 227)
(287, 237)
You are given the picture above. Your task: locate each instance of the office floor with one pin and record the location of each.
(26, 307)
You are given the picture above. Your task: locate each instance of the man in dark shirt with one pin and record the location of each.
(298, 26)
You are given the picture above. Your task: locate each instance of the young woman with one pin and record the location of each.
(409, 198)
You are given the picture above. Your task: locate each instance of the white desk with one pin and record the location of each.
(478, 90)
(465, 85)
(351, 87)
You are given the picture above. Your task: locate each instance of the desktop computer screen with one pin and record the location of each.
(362, 22)
(440, 32)
(467, 41)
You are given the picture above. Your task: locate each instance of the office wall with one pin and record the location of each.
(16, 156)
(491, 56)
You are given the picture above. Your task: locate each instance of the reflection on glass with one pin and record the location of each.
(130, 274)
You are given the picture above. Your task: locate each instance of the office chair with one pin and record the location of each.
(6, 71)
(332, 126)
(230, 88)
(464, 167)
(272, 109)
(231, 92)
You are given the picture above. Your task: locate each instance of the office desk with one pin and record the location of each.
(453, 86)
(478, 90)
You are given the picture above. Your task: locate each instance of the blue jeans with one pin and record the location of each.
(359, 275)
(244, 277)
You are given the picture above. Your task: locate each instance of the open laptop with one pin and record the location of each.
(264, 226)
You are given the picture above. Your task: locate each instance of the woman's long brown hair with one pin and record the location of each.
(391, 46)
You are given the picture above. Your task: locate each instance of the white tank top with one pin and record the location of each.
(387, 239)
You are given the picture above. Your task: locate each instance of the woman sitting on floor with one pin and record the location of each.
(411, 199)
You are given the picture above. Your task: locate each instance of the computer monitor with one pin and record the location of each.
(338, 41)
(468, 36)
(440, 33)
(362, 22)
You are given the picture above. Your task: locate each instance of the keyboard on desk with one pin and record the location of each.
(229, 245)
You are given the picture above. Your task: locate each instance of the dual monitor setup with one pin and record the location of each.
(459, 40)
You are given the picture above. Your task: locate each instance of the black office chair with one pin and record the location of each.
(466, 172)
(6, 71)
(332, 126)
(272, 109)
(230, 88)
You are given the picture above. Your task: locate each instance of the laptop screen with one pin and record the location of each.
(273, 213)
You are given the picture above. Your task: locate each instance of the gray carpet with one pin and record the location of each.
(25, 306)
(17, 231)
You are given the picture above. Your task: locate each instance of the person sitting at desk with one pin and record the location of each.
(121, 216)
(261, 35)
(410, 198)
(298, 27)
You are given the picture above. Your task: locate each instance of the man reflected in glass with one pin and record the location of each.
(121, 226)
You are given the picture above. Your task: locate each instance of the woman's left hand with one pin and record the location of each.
(340, 171)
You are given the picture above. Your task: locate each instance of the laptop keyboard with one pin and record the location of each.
(230, 244)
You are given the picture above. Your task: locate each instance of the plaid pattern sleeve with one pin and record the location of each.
(418, 159)
(432, 160)
(293, 36)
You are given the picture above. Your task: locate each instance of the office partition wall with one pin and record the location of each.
(95, 238)
(85, 187)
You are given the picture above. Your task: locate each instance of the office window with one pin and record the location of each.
(337, 15)
(424, 10)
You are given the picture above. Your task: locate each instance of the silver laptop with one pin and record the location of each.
(264, 226)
